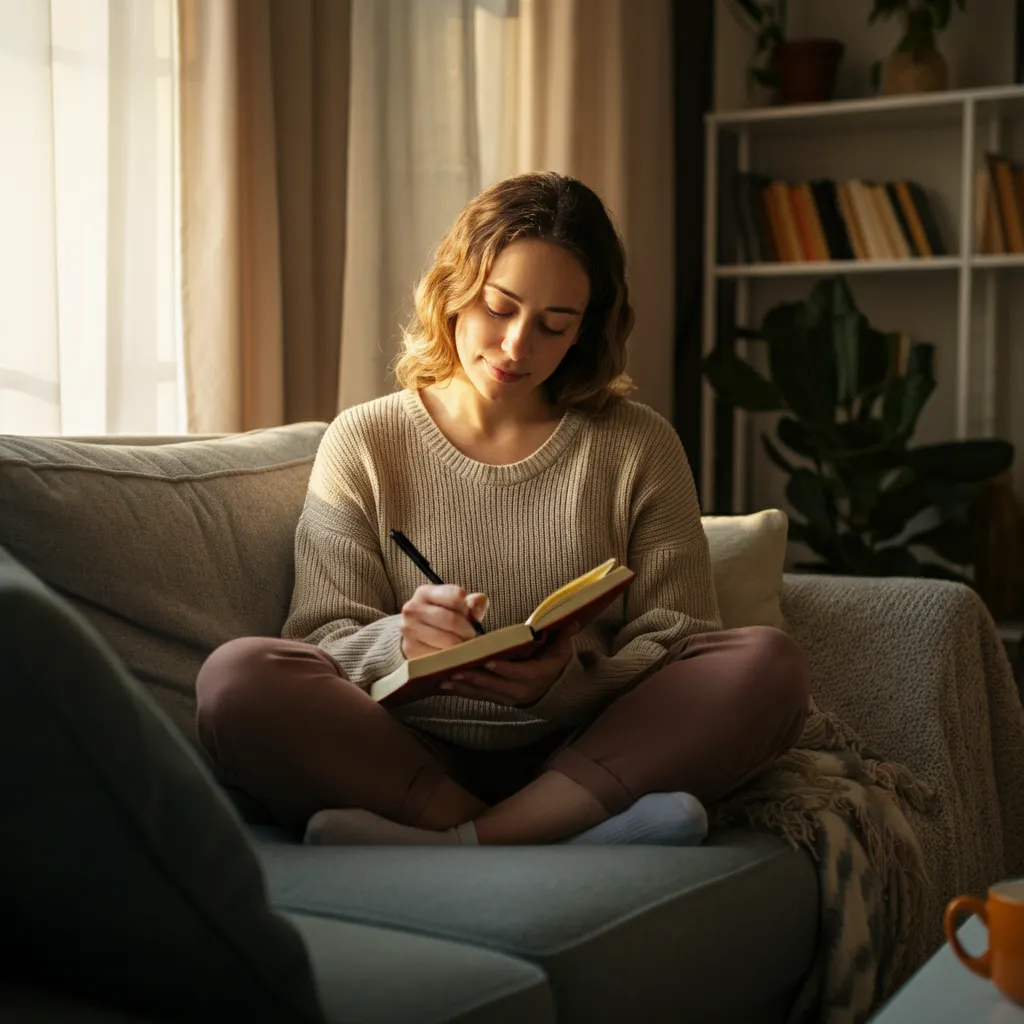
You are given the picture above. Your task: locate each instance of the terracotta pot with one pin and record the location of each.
(807, 69)
(923, 71)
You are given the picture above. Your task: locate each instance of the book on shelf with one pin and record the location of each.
(999, 206)
(857, 239)
(821, 220)
(990, 238)
(812, 229)
(579, 601)
(901, 217)
(838, 238)
(784, 222)
(915, 220)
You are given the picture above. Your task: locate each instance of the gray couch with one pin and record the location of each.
(167, 551)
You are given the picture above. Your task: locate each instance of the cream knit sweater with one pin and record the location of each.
(617, 485)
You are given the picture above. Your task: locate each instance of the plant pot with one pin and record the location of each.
(807, 69)
(923, 71)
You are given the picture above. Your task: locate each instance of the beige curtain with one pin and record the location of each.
(264, 111)
(312, 130)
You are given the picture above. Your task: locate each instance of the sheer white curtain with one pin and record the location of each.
(89, 307)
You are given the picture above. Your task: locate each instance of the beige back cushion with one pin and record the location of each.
(167, 549)
(171, 549)
(747, 557)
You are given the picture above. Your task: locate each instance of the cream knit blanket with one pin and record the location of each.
(927, 805)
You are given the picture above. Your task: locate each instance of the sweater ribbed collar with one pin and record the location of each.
(482, 472)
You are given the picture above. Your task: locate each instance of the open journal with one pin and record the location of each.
(581, 600)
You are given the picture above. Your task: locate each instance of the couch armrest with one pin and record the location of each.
(897, 659)
(918, 669)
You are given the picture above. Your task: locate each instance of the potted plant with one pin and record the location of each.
(850, 404)
(916, 64)
(799, 70)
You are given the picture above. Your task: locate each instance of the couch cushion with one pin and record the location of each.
(125, 877)
(747, 557)
(623, 932)
(370, 975)
(168, 550)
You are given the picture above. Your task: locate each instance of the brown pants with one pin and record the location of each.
(285, 725)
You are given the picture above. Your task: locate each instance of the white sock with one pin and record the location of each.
(350, 826)
(658, 819)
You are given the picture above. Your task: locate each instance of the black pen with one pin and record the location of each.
(424, 566)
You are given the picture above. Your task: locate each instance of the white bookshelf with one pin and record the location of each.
(971, 122)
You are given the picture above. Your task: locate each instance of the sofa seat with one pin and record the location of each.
(365, 975)
(371, 975)
(721, 932)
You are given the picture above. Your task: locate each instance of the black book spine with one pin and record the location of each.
(757, 183)
(928, 222)
(894, 198)
(746, 222)
(827, 201)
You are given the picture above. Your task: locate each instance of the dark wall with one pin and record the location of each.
(693, 57)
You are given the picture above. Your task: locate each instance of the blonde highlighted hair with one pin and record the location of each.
(555, 209)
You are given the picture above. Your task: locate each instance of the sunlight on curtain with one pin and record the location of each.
(89, 308)
(432, 122)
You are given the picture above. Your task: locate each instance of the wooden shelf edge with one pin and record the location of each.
(823, 267)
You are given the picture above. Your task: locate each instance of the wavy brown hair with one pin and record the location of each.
(552, 208)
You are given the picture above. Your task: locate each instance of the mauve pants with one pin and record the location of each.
(285, 725)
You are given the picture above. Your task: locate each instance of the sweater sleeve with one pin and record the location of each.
(342, 599)
(672, 597)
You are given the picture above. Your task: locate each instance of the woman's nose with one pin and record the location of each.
(516, 339)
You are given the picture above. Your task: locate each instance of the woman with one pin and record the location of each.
(512, 459)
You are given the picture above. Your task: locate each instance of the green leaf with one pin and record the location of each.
(799, 532)
(775, 455)
(807, 494)
(940, 572)
(952, 540)
(767, 77)
(873, 359)
(904, 397)
(941, 11)
(751, 10)
(894, 561)
(855, 554)
(795, 435)
(886, 9)
(805, 533)
(904, 498)
(847, 327)
(963, 461)
(801, 356)
(739, 384)
(870, 461)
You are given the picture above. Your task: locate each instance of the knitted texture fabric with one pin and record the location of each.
(611, 486)
(905, 785)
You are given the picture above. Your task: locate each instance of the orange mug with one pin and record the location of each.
(1003, 914)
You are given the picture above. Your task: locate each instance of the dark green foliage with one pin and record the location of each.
(849, 413)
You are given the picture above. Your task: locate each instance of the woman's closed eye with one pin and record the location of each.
(500, 314)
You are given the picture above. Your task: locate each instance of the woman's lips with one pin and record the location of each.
(502, 375)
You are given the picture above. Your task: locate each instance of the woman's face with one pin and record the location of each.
(526, 318)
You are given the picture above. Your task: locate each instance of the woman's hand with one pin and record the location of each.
(438, 616)
(517, 682)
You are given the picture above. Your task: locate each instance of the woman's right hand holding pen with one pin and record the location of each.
(439, 616)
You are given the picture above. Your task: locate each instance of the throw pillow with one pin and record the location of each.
(747, 557)
(126, 879)
(167, 549)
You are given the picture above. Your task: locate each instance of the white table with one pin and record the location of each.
(943, 991)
